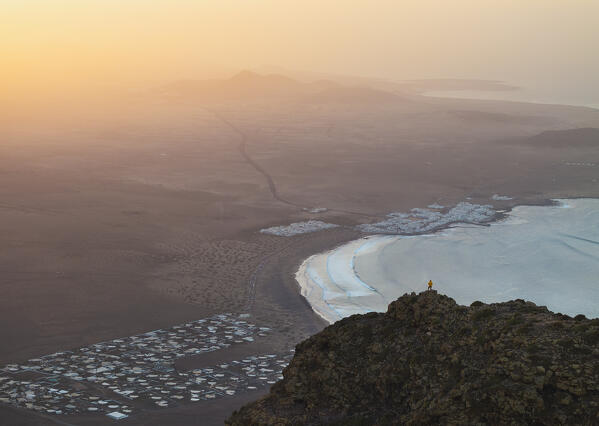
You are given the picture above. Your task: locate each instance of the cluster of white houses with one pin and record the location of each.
(118, 377)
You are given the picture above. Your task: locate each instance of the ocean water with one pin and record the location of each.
(546, 254)
(538, 95)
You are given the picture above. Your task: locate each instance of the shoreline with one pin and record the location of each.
(492, 96)
(301, 267)
(333, 295)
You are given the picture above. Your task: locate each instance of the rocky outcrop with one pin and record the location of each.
(428, 360)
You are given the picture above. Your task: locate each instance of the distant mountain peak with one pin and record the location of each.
(245, 75)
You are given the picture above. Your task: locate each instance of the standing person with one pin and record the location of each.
(430, 284)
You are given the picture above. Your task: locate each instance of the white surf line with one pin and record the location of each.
(340, 274)
(332, 287)
(313, 289)
(370, 244)
(378, 243)
(325, 292)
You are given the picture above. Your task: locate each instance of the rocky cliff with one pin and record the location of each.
(428, 360)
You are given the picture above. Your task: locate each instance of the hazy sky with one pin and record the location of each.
(46, 42)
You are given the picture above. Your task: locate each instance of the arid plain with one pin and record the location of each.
(118, 218)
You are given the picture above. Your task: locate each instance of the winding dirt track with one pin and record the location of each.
(242, 149)
(271, 183)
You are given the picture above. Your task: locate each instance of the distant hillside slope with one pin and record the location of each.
(430, 361)
(248, 84)
(356, 94)
(244, 84)
(583, 138)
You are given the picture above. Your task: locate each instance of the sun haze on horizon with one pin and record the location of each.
(54, 44)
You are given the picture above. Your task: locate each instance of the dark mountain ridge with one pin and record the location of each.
(428, 360)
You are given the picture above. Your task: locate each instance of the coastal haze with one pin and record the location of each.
(57, 45)
(144, 149)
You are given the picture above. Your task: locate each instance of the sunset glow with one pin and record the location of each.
(47, 44)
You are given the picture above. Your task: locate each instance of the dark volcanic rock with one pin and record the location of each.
(428, 360)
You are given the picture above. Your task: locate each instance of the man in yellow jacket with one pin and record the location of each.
(430, 284)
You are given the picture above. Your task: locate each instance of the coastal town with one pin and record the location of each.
(120, 377)
(416, 221)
